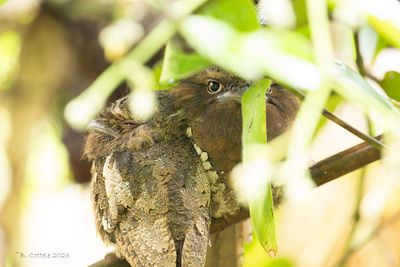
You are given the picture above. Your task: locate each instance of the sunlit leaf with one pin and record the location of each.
(252, 55)
(255, 256)
(239, 13)
(387, 29)
(391, 84)
(352, 86)
(255, 132)
(277, 13)
(283, 56)
(177, 64)
(370, 44)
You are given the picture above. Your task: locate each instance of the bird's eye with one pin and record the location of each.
(270, 88)
(214, 87)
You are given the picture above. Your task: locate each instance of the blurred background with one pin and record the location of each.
(50, 51)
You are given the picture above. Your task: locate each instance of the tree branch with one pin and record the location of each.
(322, 172)
(344, 162)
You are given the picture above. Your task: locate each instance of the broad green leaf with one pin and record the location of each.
(352, 86)
(240, 14)
(283, 56)
(255, 132)
(252, 55)
(387, 29)
(177, 64)
(391, 84)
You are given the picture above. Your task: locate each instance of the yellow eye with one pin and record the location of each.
(214, 86)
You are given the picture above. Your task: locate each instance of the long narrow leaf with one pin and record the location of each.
(254, 132)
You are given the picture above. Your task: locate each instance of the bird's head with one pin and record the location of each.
(212, 102)
(208, 92)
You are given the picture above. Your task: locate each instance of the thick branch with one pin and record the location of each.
(344, 162)
(322, 172)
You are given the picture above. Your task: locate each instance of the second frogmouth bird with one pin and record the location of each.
(156, 185)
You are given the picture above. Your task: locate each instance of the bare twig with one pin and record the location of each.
(359, 58)
(367, 138)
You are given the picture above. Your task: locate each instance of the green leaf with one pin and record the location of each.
(389, 30)
(299, 7)
(370, 43)
(178, 65)
(254, 255)
(252, 55)
(240, 14)
(391, 84)
(283, 56)
(255, 132)
(352, 86)
(254, 118)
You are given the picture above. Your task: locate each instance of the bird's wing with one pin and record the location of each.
(115, 128)
(136, 206)
(146, 244)
(197, 238)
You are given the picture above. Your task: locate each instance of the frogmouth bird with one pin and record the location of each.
(156, 185)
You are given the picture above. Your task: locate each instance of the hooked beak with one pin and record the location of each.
(235, 94)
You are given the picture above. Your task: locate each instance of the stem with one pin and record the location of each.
(374, 142)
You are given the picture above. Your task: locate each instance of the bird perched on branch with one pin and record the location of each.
(156, 185)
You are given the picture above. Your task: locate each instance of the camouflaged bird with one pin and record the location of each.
(157, 184)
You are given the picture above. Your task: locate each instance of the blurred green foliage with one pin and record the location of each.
(10, 43)
(240, 14)
(391, 84)
(227, 33)
(389, 31)
(177, 64)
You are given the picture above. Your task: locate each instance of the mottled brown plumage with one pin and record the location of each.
(156, 185)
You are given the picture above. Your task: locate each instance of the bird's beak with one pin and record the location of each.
(234, 94)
